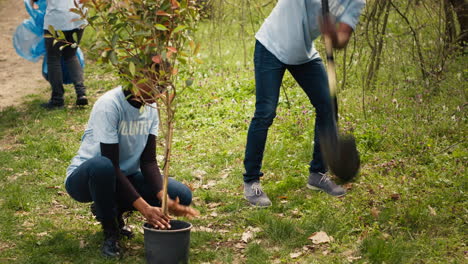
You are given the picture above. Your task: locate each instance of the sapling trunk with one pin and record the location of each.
(167, 154)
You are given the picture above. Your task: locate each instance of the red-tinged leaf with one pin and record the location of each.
(282, 197)
(175, 71)
(174, 4)
(156, 59)
(172, 49)
(169, 54)
(162, 13)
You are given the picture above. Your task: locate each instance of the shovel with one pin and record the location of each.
(339, 150)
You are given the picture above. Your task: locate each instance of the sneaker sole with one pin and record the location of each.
(257, 205)
(318, 189)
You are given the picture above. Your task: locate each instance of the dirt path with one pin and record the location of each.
(18, 77)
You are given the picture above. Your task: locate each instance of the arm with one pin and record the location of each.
(339, 35)
(149, 165)
(152, 214)
(150, 170)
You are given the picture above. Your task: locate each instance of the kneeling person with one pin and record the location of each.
(116, 167)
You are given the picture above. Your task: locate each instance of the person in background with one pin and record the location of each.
(285, 42)
(116, 167)
(59, 17)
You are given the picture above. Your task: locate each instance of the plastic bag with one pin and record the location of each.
(28, 39)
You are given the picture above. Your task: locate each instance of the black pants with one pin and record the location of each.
(54, 65)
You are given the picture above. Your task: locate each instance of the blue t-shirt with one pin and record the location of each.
(59, 16)
(113, 120)
(293, 25)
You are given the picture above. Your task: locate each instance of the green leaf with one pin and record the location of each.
(61, 34)
(64, 46)
(113, 58)
(188, 82)
(114, 39)
(179, 28)
(51, 30)
(182, 60)
(131, 68)
(161, 27)
(75, 37)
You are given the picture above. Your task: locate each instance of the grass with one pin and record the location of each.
(408, 205)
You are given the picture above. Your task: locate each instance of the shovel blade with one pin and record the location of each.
(342, 157)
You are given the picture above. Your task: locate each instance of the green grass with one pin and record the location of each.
(408, 205)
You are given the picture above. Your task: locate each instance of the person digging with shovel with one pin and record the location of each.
(285, 42)
(116, 167)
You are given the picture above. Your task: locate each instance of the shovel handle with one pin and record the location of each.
(331, 69)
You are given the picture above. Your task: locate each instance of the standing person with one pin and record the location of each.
(116, 167)
(58, 16)
(285, 42)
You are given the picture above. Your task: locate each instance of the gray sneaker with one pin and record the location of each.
(254, 194)
(320, 181)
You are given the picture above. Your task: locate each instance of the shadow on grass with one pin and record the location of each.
(74, 246)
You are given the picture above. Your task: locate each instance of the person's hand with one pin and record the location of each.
(177, 209)
(156, 217)
(339, 35)
(328, 26)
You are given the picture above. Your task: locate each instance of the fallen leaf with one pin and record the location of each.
(375, 212)
(213, 205)
(199, 174)
(295, 255)
(214, 214)
(320, 238)
(432, 211)
(42, 234)
(249, 233)
(203, 229)
(247, 236)
(240, 245)
(210, 184)
(82, 243)
(395, 196)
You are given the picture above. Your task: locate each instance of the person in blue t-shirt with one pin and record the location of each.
(116, 167)
(285, 41)
(58, 16)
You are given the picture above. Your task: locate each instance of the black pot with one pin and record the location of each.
(169, 246)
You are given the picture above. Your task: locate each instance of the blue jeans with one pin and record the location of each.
(95, 181)
(269, 72)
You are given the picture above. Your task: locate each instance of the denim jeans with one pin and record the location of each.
(95, 181)
(269, 72)
(54, 65)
